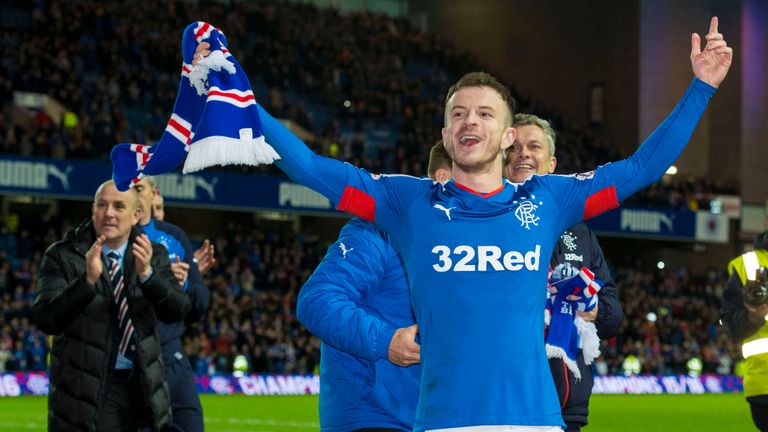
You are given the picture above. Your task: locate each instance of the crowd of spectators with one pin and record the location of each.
(253, 304)
(22, 346)
(120, 79)
(368, 87)
(671, 314)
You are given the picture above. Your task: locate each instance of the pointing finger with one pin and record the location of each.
(713, 25)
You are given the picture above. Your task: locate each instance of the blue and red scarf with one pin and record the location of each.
(214, 120)
(567, 331)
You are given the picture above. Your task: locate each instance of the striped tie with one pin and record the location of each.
(124, 323)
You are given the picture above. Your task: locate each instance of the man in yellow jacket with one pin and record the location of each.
(745, 317)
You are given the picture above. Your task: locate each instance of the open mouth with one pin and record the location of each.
(469, 140)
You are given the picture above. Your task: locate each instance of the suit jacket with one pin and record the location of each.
(81, 317)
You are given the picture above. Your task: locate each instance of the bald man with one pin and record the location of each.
(100, 291)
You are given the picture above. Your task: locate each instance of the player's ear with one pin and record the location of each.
(508, 137)
(442, 175)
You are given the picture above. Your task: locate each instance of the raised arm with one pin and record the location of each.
(327, 176)
(664, 146)
(586, 195)
(712, 64)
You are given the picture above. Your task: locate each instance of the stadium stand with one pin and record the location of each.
(376, 105)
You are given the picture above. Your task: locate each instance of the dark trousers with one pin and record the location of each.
(574, 394)
(123, 408)
(185, 402)
(572, 427)
(759, 407)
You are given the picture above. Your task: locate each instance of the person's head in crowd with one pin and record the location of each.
(158, 206)
(146, 190)
(439, 167)
(114, 213)
(533, 151)
(478, 123)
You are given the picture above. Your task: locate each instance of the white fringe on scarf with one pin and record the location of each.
(590, 342)
(557, 352)
(220, 150)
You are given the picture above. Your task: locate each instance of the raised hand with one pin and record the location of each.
(180, 270)
(142, 253)
(93, 262)
(712, 64)
(403, 349)
(205, 257)
(201, 52)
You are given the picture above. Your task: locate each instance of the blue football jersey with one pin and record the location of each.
(477, 264)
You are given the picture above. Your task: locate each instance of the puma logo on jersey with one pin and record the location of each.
(447, 211)
(487, 256)
(344, 250)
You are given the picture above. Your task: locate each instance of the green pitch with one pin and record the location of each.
(626, 413)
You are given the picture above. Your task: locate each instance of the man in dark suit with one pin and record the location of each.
(100, 290)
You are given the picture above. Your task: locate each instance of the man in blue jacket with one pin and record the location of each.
(187, 411)
(533, 152)
(357, 302)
